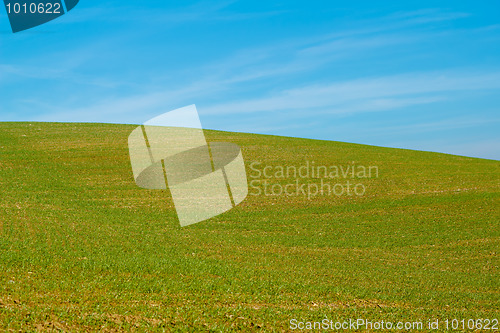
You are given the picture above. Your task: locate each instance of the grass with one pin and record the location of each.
(82, 248)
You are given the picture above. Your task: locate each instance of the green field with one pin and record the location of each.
(82, 248)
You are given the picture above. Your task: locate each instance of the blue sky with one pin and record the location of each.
(415, 74)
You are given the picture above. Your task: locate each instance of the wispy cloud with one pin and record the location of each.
(307, 54)
(446, 124)
(372, 94)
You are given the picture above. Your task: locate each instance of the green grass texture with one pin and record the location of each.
(82, 248)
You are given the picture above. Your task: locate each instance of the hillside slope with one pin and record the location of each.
(83, 248)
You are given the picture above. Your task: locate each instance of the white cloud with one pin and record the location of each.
(366, 94)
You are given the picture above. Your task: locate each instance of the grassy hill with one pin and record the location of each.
(83, 248)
